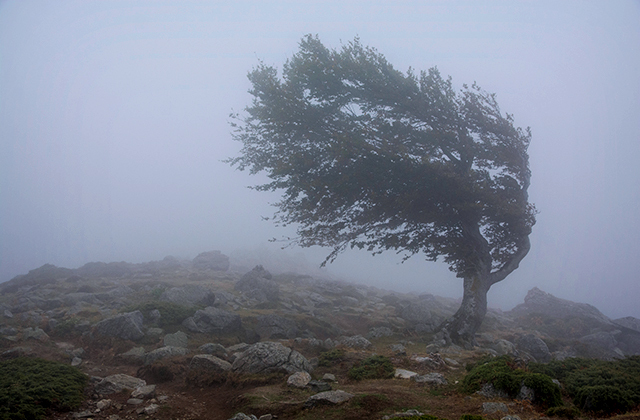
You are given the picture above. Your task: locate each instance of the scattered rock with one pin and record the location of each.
(318, 386)
(144, 392)
(118, 382)
(214, 349)
(534, 346)
(163, 353)
(355, 342)
(274, 326)
(329, 377)
(257, 284)
(189, 295)
(329, 397)
(494, 407)
(127, 326)
(431, 379)
(265, 357)
(178, 339)
(208, 363)
(404, 374)
(212, 260)
(213, 320)
(299, 379)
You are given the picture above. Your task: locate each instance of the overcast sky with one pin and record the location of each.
(114, 119)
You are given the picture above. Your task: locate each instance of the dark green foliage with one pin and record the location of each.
(373, 367)
(331, 357)
(30, 387)
(565, 412)
(471, 417)
(601, 387)
(503, 374)
(66, 328)
(423, 417)
(369, 157)
(171, 313)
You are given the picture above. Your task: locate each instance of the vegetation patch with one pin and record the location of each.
(597, 386)
(373, 367)
(506, 376)
(30, 387)
(331, 357)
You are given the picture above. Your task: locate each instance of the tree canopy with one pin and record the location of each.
(370, 157)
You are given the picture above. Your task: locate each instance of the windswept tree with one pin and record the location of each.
(372, 158)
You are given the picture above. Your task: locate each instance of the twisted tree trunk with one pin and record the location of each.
(462, 326)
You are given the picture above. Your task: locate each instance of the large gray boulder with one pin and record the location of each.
(257, 284)
(274, 326)
(127, 326)
(208, 363)
(267, 357)
(213, 320)
(164, 353)
(189, 295)
(329, 397)
(212, 260)
(118, 382)
(535, 347)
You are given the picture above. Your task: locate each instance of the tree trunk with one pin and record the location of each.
(461, 328)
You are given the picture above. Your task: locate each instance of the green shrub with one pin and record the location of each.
(565, 412)
(471, 417)
(601, 387)
(331, 357)
(503, 374)
(29, 387)
(373, 367)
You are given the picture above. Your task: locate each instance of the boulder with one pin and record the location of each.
(535, 347)
(212, 260)
(329, 397)
(214, 349)
(163, 353)
(266, 357)
(189, 295)
(144, 392)
(115, 383)
(299, 379)
(355, 342)
(213, 320)
(274, 326)
(178, 339)
(404, 374)
(257, 284)
(209, 363)
(494, 407)
(504, 347)
(431, 379)
(127, 326)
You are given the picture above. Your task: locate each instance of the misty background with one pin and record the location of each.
(114, 121)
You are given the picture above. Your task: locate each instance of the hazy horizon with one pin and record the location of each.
(114, 124)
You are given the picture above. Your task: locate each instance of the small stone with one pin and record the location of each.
(103, 404)
(76, 361)
(134, 401)
(266, 417)
(299, 379)
(329, 377)
(151, 409)
(405, 374)
(144, 392)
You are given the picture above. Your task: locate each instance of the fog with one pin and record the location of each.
(114, 121)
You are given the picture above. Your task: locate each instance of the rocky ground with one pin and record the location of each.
(176, 339)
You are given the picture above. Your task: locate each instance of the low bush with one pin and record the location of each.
(373, 367)
(504, 375)
(331, 357)
(30, 387)
(597, 386)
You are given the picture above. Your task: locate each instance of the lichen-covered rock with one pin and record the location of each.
(213, 320)
(212, 260)
(189, 295)
(127, 326)
(329, 397)
(355, 342)
(118, 382)
(274, 326)
(178, 339)
(257, 284)
(208, 363)
(299, 379)
(431, 379)
(534, 346)
(163, 353)
(266, 357)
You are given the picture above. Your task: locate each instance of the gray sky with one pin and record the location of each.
(114, 122)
